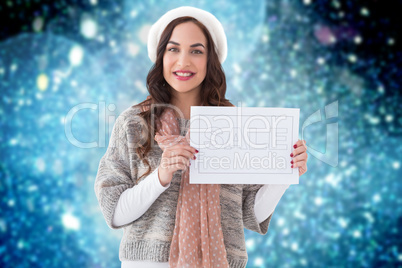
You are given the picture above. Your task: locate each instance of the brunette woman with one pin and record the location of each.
(142, 183)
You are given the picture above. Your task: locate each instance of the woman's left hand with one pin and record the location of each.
(300, 156)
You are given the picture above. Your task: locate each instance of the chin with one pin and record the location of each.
(182, 89)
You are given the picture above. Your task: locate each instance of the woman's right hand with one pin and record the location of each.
(176, 157)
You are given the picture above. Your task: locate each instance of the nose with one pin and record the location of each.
(184, 59)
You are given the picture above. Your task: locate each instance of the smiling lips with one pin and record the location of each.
(183, 75)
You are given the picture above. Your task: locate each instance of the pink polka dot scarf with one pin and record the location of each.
(197, 239)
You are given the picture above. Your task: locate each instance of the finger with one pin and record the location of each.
(176, 166)
(182, 146)
(299, 143)
(298, 150)
(180, 160)
(186, 147)
(299, 164)
(300, 157)
(171, 167)
(302, 170)
(178, 151)
(175, 160)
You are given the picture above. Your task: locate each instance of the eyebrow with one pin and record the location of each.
(193, 45)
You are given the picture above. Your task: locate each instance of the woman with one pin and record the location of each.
(143, 187)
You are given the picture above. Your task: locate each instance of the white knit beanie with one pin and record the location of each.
(210, 22)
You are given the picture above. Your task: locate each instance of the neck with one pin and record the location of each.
(184, 101)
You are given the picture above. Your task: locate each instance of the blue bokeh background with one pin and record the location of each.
(69, 68)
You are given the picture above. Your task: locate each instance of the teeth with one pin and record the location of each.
(184, 74)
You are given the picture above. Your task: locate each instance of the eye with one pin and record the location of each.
(173, 49)
(197, 51)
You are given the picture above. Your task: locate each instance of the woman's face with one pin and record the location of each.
(185, 58)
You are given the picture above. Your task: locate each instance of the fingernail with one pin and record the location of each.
(291, 162)
(295, 146)
(291, 166)
(291, 155)
(194, 157)
(196, 150)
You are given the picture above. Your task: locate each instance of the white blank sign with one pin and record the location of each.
(243, 145)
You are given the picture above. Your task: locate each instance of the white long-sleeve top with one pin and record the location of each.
(135, 201)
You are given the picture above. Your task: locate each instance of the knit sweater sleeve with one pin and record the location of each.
(114, 174)
(250, 220)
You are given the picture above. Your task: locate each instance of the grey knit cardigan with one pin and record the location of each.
(148, 238)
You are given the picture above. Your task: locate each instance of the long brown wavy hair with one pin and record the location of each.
(213, 88)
